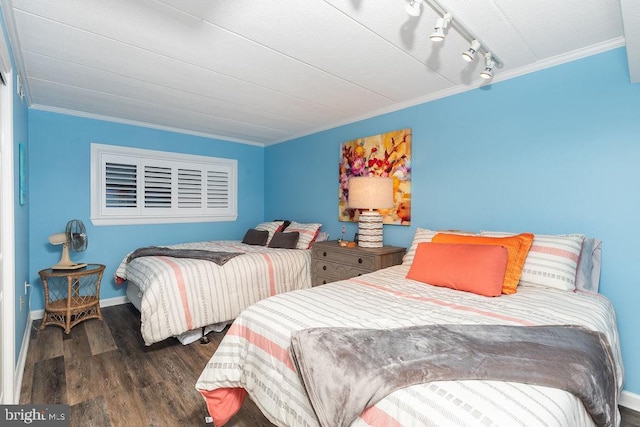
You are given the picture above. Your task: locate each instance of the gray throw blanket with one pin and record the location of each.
(346, 370)
(215, 256)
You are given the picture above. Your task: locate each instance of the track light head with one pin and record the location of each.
(438, 32)
(487, 73)
(413, 7)
(441, 25)
(470, 53)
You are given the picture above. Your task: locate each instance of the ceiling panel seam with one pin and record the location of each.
(166, 106)
(522, 38)
(245, 106)
(393, 45)
(180, 61)
(203, 20)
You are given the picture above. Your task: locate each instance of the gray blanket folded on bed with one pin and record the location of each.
(346, 370)
(218, 257)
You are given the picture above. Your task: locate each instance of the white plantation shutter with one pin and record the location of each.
(190, 187)
(218, 189)
(135, 186)
(157, 187)
(120, 185)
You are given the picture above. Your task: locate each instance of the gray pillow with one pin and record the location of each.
(255, 237)
(284, 240)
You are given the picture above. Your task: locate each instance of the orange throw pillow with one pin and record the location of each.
(517, 247)
(473, 268)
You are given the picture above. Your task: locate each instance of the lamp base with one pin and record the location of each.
(370, 229)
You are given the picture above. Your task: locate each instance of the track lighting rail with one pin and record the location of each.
(445, 20)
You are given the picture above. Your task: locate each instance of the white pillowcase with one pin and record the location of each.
(422, 235)
(552, 260)
(271, 227)
(425, 235)
(308, 233)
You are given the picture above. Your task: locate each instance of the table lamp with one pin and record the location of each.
(369, 192)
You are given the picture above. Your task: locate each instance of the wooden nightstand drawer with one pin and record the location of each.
(346, 256)
(331, 262)
(338, 270)
(320, 279)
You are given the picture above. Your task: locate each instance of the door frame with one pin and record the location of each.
(7, 240)
(7, 230)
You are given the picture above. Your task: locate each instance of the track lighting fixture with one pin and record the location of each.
(445, 20)
(470, 53)
(441, 25)
(487, 73)
(413, 8)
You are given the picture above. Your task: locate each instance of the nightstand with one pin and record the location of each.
(331, 262)
(71, 296)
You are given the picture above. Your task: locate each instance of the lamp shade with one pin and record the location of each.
(370, 192)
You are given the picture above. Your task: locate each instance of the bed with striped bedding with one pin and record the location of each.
(182, 294)
(254, 356)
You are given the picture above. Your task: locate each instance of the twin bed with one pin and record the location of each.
(178, 295)
(264, 353)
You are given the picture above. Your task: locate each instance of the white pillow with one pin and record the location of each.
(425, 235)
(552, 260)
(308, 233)
(422, 235)
(271, 227)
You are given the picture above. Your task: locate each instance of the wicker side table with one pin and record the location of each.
(71, 296)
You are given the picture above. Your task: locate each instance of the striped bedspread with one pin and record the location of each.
(254, 355)
(180, 294)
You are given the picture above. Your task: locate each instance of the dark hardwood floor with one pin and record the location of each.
(109, 378)
(629, 418)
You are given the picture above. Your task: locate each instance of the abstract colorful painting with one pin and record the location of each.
(387, 155)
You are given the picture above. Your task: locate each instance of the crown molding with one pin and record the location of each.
(140, 124)
(454, 90)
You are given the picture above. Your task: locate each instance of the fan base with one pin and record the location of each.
(68, 266)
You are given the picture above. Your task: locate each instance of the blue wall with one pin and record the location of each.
(556, 151)
(59, 162)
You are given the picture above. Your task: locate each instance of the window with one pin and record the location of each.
(136, 186)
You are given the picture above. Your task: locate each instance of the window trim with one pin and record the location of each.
(141, 215)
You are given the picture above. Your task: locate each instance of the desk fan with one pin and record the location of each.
(75, 237)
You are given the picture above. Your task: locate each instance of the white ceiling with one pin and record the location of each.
(267, 71)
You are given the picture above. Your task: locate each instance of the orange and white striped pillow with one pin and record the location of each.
(308, 233)
(271, 227)
(552, 260)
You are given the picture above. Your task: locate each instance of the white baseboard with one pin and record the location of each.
(114, 301)
(22, 360)
(39, 314)
(630, 400)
